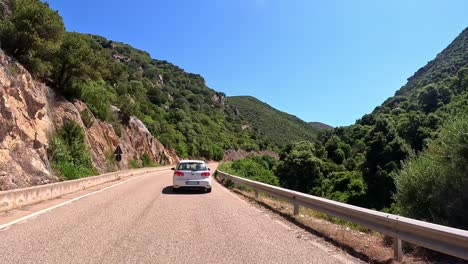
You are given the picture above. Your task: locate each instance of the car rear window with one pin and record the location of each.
(192, 166)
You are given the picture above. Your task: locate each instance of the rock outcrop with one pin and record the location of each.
(30, 113)
(25, 123)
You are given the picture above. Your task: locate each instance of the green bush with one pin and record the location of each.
(253, 168)
(13, 69)
(110, 161)
(98, 96)
(68, 153)
(146, 161)
(134, 164)
(117, 127)
(87, 118)
(433, 186)
(33, 34)
(300, 169)
(345, 186)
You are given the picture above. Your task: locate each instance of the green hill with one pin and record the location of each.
(357, 164)
(409, 156)
(435, 93)
(320, 126)
(176, 106)
(279, 128)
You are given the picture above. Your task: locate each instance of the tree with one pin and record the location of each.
(344, 186)
(385, 151)
(337, 150)
(412, 127)
(433, 186)
(429, 98)
(75, 61)
(127, 106)
(98, 96)
(252, 167)
(462, 79)
(299, 169)
(33, 34)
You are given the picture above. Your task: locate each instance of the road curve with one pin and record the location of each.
(142, 221)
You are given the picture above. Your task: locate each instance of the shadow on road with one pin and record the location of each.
(183, 191)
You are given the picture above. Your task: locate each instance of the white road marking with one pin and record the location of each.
(332, 252)
(24, 218)
(282, 224)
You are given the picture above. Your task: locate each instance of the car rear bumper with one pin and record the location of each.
(200, 183)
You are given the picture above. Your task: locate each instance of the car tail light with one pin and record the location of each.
(178, 173)
(206, 174)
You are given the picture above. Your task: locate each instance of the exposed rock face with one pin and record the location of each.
(218, 99)
(24, 127)
(137, 140)
(160, 81)
(5, 9)
(30, 112)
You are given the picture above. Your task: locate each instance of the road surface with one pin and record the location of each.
(140, 220)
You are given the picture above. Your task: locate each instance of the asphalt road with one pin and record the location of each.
(142, 221)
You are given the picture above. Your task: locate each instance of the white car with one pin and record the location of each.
(193, 174)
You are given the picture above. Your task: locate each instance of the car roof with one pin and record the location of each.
(191, 161)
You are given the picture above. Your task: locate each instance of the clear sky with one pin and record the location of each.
(330, 60)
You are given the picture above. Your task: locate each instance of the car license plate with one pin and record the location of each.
(191, 182)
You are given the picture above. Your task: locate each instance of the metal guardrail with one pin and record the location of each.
(440, 238)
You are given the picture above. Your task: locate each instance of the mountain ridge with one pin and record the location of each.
(279, 128)
(320, 125)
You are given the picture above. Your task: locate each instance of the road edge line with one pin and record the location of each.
(24, 218)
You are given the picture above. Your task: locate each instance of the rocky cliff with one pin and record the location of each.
(30, 112)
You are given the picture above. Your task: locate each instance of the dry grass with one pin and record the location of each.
(367, 245)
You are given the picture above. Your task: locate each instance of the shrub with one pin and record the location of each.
(87, 118)
(110, 161)
(299, 168)
(433, 186)
(251, 168)
(13, 69)
(98, 96)
(146, 161)
(134, 164)
(345, 186)
(33, 34)
(68, 153)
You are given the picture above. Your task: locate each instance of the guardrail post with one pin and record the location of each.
(296, 209)
(444, 239)
(256, 194)
(397, 250)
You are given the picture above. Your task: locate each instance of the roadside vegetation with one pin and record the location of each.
(409, 152)
(144, 161)
(256, 168)
(177, 106)
(433, 185)
(68, 152)
(409, 156)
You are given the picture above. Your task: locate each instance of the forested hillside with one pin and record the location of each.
(416, 139)
(278, 128)
(320, 125)
(177, 107)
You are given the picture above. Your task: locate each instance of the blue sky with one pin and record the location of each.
(330, 61)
